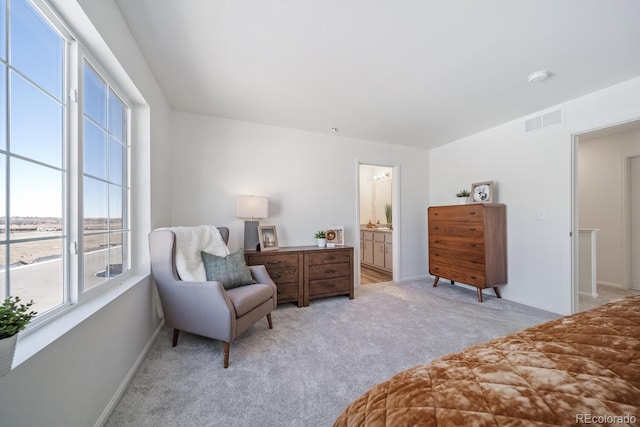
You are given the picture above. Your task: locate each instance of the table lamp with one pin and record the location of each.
(252, 207)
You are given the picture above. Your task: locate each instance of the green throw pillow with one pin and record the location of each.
(231, 271)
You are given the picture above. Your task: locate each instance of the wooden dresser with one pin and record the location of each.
(468, 244)
(303, 273)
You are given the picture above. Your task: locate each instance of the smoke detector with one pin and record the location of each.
(538, 76)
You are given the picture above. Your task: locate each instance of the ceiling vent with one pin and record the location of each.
(542, 121)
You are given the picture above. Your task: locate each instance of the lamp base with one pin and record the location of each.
(251, 240)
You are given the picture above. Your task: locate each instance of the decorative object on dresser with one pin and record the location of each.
(468, 244)
(463, 197)
(482, 192)
(303, 273)
(268, 237)
(252, 207)
(338, 233)
(321, 237)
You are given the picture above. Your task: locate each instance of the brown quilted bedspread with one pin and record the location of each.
(578, 369)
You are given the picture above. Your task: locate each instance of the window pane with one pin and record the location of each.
(3, 107)
(116, 157)
(36, 123)
(37, 273)
(116, 211)
(95, 205)
(117, 119)
(95, 150)
(115, 255)
(35, 198)
(95, 96)
(3, 33)
(3, 271)
(3, 200)
(96, 260)
(36, 49)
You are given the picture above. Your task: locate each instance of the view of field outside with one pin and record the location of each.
(36, 268)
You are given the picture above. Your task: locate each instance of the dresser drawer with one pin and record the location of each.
(283, 275)
(329, 257)
(470, 277)
(458, 243)
(287, 292)
(322, 271)
(456, 229)
(466, 260)
(273, 260)
(329, 286)
(457, 213)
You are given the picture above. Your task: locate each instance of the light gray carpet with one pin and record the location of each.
(315, 361)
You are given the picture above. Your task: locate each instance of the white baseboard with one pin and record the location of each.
(587, 294)
(411, 279)
(611, 285)
(125, 383)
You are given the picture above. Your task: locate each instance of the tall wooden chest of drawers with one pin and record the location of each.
(303, 273)
(468, 244)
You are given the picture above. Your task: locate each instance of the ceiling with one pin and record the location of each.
(411, 72)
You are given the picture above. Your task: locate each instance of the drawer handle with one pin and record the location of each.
(437, 241)
(437, 269)
(329, 271)
(472, 229)
(473, 277)
(275, 276)
(330, 257)
(472, 213)
(436, 228)
(473, 245)
(272, 262)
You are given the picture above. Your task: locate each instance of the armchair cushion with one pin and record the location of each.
(230, 270)
(246, 298)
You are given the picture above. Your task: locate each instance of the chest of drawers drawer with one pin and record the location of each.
(446, 228)
(468, 213)
(285, 269)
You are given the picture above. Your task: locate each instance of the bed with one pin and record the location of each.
(578, 369)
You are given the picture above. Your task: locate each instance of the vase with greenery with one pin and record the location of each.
(14, 317)
(321, 235)
(387, 213)
(463, 196)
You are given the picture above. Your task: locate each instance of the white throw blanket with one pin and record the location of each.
(189, 242)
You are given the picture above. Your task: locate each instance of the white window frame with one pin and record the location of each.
(72, 257)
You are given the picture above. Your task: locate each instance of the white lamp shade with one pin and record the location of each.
(252, 207)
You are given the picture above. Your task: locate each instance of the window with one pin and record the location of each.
(62, 234)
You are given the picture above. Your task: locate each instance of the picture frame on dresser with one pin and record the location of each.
(338, 233)
(482, 192)
(268, 237)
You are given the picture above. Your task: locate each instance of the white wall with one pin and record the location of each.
(533, 175)
(310, 179)
(73, 381)
(600, 174)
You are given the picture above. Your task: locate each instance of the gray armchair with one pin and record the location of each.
(207, 308)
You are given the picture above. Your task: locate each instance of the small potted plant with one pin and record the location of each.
(14, 317)
(463, 196)
(321, 235)
(387, 213)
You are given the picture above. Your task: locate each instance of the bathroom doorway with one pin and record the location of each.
(377, 197)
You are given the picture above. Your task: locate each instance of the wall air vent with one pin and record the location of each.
(542, 121)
